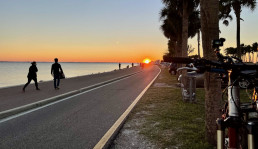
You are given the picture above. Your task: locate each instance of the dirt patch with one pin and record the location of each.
(129, 136)
(165, 85)
(161, 85)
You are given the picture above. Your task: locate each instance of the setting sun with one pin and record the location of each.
(146, 61)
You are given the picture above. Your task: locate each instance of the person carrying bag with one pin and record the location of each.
(57, 72)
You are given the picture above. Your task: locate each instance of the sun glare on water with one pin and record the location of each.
(146, 61)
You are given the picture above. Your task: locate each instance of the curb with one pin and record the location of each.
(7, 113)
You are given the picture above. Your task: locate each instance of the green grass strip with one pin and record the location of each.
(169, 122)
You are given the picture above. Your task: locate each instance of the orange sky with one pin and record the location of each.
(117, 31)
(81, 53)
(95, 31)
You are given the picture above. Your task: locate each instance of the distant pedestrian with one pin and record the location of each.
(132, 64)
(32, 75)
(119, 65)
(56, 70)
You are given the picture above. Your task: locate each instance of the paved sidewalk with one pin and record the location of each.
(14, 97)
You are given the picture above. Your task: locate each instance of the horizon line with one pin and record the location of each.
(65, 62)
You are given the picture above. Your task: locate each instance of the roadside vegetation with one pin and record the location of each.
(166, 120)
(183, 19)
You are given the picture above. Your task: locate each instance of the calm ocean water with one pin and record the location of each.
(15, 73)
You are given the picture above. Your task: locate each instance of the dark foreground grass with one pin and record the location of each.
(168, 121)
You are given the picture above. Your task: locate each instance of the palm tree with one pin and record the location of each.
(210, 31)
(189, 6)
(171, 29)
(255, 49)
(183, 8)
(172, 26)
(231, 51)
(247, 51)
(225, 8)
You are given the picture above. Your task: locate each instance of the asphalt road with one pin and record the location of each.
(76, 122)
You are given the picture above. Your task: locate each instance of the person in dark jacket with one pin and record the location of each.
(119, 65)
(56, 69)
(32, 75)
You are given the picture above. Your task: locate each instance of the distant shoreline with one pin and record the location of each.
(62, 62)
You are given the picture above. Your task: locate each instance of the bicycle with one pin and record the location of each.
(237, 128)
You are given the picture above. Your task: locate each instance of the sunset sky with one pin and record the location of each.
(93, 30)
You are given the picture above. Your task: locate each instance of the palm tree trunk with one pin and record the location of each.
(185, 29)
(253, 58)
(238, 37)
(249, 56)
(179, 46)
(172, 47)
(210, 31)
(237, 9)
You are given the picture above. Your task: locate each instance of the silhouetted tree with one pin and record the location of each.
(247, 51)
(173, 27)
(225, 8)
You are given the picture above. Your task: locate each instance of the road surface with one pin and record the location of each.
(77, 122)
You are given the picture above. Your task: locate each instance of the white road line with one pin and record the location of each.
(116, 125)
(52, 103)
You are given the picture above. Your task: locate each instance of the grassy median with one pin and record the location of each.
(167, 121)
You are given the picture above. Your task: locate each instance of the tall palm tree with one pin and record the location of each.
(210, 31)
(172, 26)
(225, 8)
(184, 8)
(171, 29)
(189, 6)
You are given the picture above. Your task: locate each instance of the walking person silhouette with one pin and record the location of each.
(56, 73)
(32, 75)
